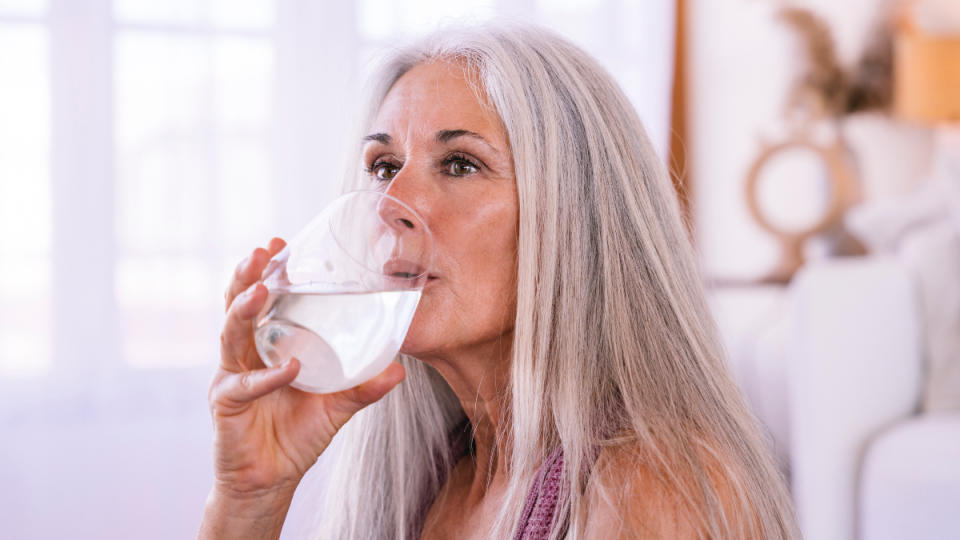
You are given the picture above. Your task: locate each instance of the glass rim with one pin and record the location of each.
(384, 195)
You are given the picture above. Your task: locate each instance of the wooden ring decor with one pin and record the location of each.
(844, 191)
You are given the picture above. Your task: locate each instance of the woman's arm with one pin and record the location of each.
(241, 516)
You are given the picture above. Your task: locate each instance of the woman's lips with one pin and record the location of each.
(399, 268)
(401, 271)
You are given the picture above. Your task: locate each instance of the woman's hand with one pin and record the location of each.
(266, 433)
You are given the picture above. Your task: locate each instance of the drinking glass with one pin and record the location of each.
(342, 293)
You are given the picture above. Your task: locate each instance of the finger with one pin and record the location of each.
(234, 392)
(237, 336)
(247, 272)
(275, 245)
(345, 404)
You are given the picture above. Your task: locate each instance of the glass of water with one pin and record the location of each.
(344, 290)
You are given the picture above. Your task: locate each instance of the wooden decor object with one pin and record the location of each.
(843, 191)
(927, 77)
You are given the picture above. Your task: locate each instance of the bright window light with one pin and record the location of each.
(250, 14)
(194, 176)
(23, 7)
(25, 214)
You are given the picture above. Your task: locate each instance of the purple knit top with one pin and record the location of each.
(540, 508)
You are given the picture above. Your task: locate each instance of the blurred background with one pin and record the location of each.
(147, 147)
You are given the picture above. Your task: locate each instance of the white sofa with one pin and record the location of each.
(833, 366)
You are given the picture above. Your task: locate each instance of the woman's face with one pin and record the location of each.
(436, 148)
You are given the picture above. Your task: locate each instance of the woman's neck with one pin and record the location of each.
(480, 379)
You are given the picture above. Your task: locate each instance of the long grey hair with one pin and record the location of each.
(613, 341)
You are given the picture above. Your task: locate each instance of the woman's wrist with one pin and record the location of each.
(236, 514)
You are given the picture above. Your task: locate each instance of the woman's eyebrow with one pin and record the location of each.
(446, 135)
(381, 138)
(442, 136)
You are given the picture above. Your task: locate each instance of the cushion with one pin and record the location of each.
(910, 481)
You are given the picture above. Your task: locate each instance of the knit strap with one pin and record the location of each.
(539, 511)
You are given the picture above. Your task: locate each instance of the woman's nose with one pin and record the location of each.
(407, 238)
(396, 214)
(402, 209)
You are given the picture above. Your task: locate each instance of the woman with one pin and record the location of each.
(562, 375)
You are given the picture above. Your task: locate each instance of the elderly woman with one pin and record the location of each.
(562, 376)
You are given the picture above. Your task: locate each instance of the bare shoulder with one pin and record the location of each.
(630, 496)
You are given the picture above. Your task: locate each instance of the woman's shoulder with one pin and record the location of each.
(632, 494)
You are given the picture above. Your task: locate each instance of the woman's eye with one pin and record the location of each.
(460, 167)
(384, 171)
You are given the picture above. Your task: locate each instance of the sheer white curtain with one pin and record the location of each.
(145, 147)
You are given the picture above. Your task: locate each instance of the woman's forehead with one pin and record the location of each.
(433, 97)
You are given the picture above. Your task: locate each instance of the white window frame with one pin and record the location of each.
(310, 123)
(87, 367)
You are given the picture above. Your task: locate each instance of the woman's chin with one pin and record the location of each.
(422, 346)
(412, 345)
(422, 336)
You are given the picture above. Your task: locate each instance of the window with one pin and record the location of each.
(194, 165)
(34, 8)
(177, 135)
(25, 204)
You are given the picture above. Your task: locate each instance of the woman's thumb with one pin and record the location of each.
(351, 400)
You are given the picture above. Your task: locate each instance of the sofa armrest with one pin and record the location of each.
(855, 367)
(910, 482)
